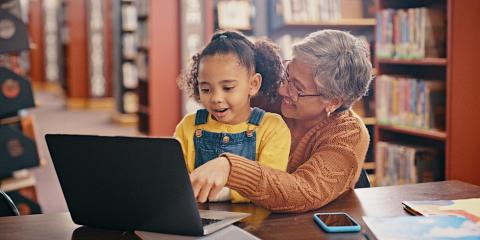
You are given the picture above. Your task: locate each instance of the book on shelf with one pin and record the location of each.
(412, 33)
(142, 7)
(468, 208)
(414, 227)
(142, 34)
(405, 164)
(130, 102)
(142, 65)
(130, 75)
(234, 14)
(129, 17)
(410, 102)
(316, 11)
(129, 45)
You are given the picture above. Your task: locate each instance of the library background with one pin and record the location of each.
(110, 67)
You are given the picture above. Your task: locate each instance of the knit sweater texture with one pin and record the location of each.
(325, 164)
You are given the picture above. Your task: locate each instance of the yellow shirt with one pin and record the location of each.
(272, 141)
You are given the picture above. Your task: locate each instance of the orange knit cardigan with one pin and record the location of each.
(325, 164)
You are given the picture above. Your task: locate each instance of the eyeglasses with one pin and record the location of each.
(293, 91)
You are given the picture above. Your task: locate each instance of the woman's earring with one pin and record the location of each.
(329, 112)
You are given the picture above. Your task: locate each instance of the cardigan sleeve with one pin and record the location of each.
(273, 149)
(325, 175)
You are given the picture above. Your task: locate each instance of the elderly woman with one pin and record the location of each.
(329, 71)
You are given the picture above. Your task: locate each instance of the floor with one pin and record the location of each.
(51, 116)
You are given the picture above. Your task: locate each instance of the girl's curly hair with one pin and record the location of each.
(262, 57)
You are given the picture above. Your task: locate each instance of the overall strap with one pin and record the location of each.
(256, 116)
(201, 117)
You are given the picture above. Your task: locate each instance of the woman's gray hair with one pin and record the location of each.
(340, 63)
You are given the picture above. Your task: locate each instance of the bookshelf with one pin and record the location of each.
(450, 90)
(158, 63)
(415, 62)
(125, 73)
(87, 69)
(348, 23)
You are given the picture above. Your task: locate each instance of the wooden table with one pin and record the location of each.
(379, 201)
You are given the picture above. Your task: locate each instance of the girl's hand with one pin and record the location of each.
(209, 179)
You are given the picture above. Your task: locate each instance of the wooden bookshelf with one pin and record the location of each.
(159, 97)
(458, 143)
(416, 62)
(463, 96)
(424, 133)
(36, 32)
(350, 23)
(79, 66)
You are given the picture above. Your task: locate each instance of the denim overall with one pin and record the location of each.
(209, 145)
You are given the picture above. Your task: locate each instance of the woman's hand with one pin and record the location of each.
(209, 179)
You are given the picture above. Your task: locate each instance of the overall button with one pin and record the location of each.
(226, 139)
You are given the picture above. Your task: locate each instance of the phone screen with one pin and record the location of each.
(336, 220)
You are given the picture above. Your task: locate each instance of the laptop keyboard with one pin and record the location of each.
(206, 221)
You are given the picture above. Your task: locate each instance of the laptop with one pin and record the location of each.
(131, 183)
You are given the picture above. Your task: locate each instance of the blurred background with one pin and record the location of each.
(110, 67)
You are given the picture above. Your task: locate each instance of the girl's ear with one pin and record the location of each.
(255, 84)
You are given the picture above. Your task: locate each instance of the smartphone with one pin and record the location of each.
(336, 222)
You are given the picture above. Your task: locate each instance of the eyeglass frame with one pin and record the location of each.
(291, 86)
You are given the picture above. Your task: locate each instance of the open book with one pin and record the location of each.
(416, 227)
(469, 208)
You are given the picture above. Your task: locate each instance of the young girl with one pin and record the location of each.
(223, 77)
